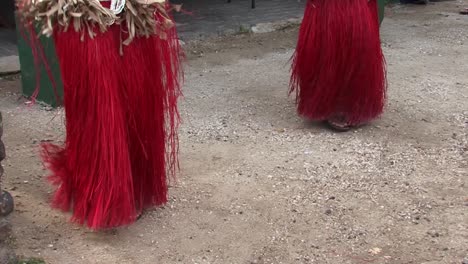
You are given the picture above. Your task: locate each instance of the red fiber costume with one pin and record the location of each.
(120, 71)
(338, 70)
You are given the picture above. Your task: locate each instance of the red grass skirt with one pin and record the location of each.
(121, 122)
(338, 66)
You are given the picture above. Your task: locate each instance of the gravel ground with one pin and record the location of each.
(259, 185)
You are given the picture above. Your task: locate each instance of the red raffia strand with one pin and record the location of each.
(338, 65)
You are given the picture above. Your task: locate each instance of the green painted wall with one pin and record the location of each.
(29, 69)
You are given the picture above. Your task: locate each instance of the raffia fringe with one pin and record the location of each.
(88, 15)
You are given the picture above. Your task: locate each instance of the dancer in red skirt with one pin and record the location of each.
(338, 70)
(120, 67)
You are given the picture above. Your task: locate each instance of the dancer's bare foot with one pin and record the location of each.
(139, 215)
(339, 122)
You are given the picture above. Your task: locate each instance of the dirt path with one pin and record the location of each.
(259, 185)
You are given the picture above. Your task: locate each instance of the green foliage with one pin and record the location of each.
(31, 261)
(243, 29)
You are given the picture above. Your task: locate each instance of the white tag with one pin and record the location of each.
(117, 6)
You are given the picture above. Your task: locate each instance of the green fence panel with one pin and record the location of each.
(29, 69)
(381, 4)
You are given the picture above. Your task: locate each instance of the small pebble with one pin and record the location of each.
(433, 233)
